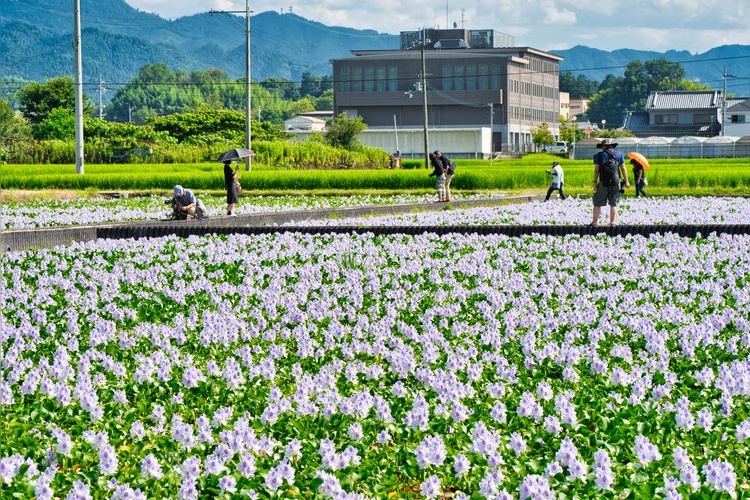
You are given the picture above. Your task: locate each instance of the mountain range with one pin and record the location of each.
(117, 40)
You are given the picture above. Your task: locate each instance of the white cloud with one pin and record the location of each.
(660, 25)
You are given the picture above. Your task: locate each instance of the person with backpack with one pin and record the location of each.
(439, 172)
(609, 169)
(449, 168)
(558, 180)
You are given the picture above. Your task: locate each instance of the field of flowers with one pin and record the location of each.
(50, 213)
(358, 366)
(638, 211)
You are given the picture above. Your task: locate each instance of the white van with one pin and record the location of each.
(558, 147)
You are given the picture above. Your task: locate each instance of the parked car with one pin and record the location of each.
(558, 147)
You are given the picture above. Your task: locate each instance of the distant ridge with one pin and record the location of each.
(118, 40)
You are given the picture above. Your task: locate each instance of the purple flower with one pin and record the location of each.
(645, 451)
(517, 443)
(431, 451)
(461, 465)
(150, 467)
(227, 484)
(430, 488)
(720, 475)
(80, 491)
(535, 487)
(355, 431)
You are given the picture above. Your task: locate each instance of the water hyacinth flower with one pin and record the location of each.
(536, 487)
(150, 468)
(461, 465)
(64, 444)
(645, 451)
(292, 340)
(430, 487)
(431, 451)
(80, 491)
(517, 443)
(743, 431)
(720, 476)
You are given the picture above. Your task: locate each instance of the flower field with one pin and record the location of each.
(99, 210)
(359, 366)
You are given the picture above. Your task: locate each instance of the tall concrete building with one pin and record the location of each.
(474, 79)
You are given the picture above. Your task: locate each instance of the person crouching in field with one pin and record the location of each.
(187, 204)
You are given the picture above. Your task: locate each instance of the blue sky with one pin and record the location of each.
(660, 25)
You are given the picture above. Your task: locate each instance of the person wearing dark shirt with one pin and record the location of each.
(230, 177)
(639, 178)
(439, 172)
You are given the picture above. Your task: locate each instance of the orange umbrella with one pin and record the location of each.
(639, 159)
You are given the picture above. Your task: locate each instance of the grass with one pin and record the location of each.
(515, 176)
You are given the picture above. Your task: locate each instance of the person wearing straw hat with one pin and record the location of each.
(609, 169)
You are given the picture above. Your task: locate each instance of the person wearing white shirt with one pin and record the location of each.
(558, 180)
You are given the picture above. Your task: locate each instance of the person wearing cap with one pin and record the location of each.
(558, 179)
(188, 203)
(439, 172)
(607, 194)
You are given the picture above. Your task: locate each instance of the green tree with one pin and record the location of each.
(37, 100)
(343, 132)
(314, 86)
(204, 126)
(59, 124)
(325, 101)
(542, 135)
(617, 95)
(12, 126)
(569, 131)
(303, 105)
(579, 87)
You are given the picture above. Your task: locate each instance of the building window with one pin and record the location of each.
(702, 118)
(471, 77)
(357, 79)
(458, 82)
(447, 77)
(346, 82)
(739, 119)
(380, 82)
(483, 77)
(670, 119)
(369, 83)
(495, 77)
(393, 78)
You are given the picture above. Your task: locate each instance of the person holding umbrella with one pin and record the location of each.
(230, 182)
(639, 163)
(231, 179)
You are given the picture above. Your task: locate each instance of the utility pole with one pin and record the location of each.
(248, 116)
(424, 102)
(492, 132)
(78, 85)
(724, 101)
(102, 90)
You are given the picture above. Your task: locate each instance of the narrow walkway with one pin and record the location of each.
(265, 223)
